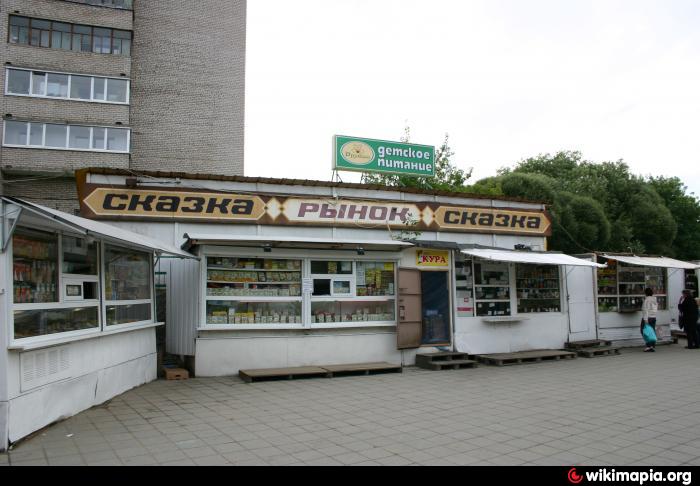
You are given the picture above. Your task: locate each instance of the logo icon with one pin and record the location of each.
(574, 477)
(357, 153)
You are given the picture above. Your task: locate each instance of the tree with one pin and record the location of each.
(685, 209)
(447, 176)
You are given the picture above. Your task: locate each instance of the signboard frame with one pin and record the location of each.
(359, 168)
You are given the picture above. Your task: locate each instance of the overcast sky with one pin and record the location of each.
(507, 79)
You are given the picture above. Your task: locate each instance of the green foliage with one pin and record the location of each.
(447, 176)
(603, 206)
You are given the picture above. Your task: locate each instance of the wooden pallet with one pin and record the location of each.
(598, 351)
(324, 371)
(676, 334)
(506, 359)
(591, 343)
(361, 369)
(445, 360)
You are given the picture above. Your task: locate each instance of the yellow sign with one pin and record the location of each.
(432, 258)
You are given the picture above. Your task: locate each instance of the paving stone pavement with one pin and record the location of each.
(633, 409)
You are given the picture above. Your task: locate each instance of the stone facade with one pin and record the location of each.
(186, 110)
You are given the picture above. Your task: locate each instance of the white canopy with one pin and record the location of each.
(291, 242)
(89, 227)
(653, 262)
(542, 258)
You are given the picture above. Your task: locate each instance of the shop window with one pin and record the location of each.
(464, 280)
(246, 291)
(79, 256)
(538, 288)
(41, 308)
(41, 322)
(128, 275)
(621, 287)
(375, 279)
(250, 313)
(492, 289)
(34, 267)
(352, 292)
(691, 282)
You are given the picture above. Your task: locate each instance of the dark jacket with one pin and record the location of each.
(689, 312)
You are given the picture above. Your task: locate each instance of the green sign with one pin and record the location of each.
(368, 155)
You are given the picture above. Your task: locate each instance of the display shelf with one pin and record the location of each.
(290, 270)
(254, 283)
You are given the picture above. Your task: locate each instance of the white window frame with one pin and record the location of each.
(70, 78)
(306, 298)
(67, 148)
(618, 296)
(100, 303)
(109, 303)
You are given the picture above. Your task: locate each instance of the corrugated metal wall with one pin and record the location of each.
(183, 307)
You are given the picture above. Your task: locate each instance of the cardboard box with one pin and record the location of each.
(176, 374)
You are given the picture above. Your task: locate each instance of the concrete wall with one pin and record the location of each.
(100, 369)
(188, 86)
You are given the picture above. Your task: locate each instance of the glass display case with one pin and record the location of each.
(127, 274)
(41, 322)
(375, 279)
(621, 287)
(79, 256)
(34, 267)
(351, 311)
(538, 288)
(691, 282)
(464, 287)
(253, 277)
(240, 313)
(492, 289)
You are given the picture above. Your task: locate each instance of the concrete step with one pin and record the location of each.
(591, 343)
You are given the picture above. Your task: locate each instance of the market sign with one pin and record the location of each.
(369, 155)
(187, 204)
(432, 258)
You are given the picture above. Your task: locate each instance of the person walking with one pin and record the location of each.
(688, 317)
(649, 309)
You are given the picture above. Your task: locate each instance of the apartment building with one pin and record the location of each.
(124, 84)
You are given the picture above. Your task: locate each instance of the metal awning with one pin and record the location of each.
(299, 242)
(37, 214)
(662, 262)
(542, 258)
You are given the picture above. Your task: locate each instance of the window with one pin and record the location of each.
(61, 36)
(15, 133)
(34, 267)
(56, 85)
(621, 286)
(492, 289)
(56, 284)
(66, 137)
(39, 84)
(348, 292)
(117, 90)
(117, 140)
(65, 36)
(537, 288)
(127, 285)
(18, 81)
(81, 87)
(79, 137)
(56, 136)
(120, 4)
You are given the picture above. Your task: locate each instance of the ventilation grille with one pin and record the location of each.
(39, 368)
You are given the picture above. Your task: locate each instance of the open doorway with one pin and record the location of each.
(436, 308)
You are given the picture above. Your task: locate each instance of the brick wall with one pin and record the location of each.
(188, 85)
